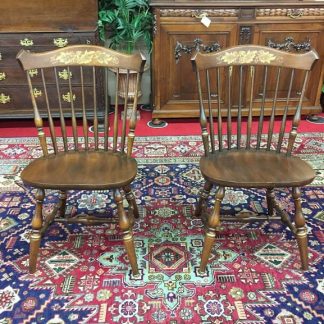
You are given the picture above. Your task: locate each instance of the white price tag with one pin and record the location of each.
(205, 21)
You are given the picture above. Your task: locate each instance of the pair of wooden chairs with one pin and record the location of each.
(64, 82)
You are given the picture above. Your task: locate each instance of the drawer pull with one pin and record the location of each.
(37, 93)
(199, 15)
(26, 42)
(0, 56)
(33, 72)
(4, 98)
(60, 42)
(67, 97)
(2, 76)
(64, 74)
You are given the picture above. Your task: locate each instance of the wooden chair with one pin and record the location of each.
(71, 84)
(239, 84)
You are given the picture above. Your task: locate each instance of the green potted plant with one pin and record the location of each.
(125, 23)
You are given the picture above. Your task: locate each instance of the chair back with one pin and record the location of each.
(243, 85)
(69, 89)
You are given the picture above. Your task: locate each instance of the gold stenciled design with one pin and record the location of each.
(33, 72)
(26, 42)
(85, 57)
(67, 97)
(64, 74)
(37, 93)
(2, 76)
(60, 42)
(246, 57)
(4, 98)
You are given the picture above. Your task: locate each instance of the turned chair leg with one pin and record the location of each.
(212, 223)
(270, 201)
(202, 202)
(126, 227)
(35, 236)
(62, 204)
(301, 230)
(131, 200)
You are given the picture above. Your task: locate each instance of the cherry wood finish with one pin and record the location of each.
(88, 160)
(38, 25)
(289, 25)
(250, 155)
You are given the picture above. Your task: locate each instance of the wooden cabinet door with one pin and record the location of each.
(294, 37)
(175, 89)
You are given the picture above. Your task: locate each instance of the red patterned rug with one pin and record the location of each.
(83, 273)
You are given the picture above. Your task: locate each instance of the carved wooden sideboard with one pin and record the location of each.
(38, 25)
(179, 32)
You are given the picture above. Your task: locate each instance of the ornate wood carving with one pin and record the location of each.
(290, 45)
(197, 46)
(194, 13)
(288, 12)
(245, 35)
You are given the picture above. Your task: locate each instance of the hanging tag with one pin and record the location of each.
(205, 21)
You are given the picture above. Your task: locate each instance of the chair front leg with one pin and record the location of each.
(131, 200)
(62, 203)
(202, 202)
(126, 227)
(212, 224)
(270, 201)
(301, 230)
(35, 237)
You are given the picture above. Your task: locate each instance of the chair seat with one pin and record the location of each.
(92, 170)
(255, 169)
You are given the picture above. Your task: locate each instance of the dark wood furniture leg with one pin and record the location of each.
(62, 205)
(212, 224)
(126, 227)
(301, 231)
(131, 200)
(35, 237)
(270, 201)
(201, 206)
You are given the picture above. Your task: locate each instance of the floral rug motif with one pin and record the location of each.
(83, 275)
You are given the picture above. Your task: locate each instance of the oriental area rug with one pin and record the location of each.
(83, 275)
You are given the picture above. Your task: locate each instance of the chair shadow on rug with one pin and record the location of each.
(239, 84)
(68, 87)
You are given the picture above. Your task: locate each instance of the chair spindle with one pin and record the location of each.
(85, 125)
(229, 109)
(273, 110)
(62, 118)
(210, 113)
(296, 120)
(261, 117)
(219, 114)
(49, 114)
(284, 116)
(239, 113)
(106, 116)
(249, 123)
(116, 112)
(125, 113)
